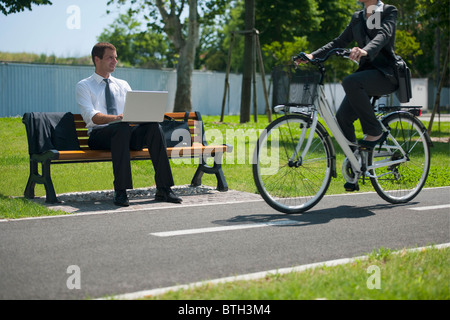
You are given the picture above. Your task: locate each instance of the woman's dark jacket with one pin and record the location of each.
(381, 49)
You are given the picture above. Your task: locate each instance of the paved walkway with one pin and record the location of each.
(144, 198)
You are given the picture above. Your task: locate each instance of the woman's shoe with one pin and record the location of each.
(372, 144)
(351, 187)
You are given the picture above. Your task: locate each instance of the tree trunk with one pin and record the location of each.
(186, 47)
(248, 60)
(437, 100)
(185, 68)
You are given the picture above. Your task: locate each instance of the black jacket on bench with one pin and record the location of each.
(50, 131)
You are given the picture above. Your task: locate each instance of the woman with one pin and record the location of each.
(374, 31)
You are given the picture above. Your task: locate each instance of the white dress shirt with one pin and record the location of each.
(90, 95)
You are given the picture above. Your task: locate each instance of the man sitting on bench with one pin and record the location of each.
(101, 99)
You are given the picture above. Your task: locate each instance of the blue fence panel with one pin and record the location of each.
(51, 88)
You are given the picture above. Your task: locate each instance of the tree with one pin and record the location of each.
(248, 60)
(137, 48)
(14, 6)
(183, 33)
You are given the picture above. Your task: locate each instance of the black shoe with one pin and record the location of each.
(372, 144)
(120, 198)
(351, 187)
(166, 195)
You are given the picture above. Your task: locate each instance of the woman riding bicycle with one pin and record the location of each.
(374, 31)
(295, 157)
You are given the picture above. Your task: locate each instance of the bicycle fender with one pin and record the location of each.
(415, 119)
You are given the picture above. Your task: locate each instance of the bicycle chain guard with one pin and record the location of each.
(348, 172)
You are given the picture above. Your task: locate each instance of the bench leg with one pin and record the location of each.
(48, 183)
(215, 169)
(221, 182)
(44, 179)
(29, 189)
(197, 179)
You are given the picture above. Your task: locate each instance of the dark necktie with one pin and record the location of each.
(110, 102)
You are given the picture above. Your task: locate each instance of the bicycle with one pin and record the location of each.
(295, 159)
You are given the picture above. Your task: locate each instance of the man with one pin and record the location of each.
(101, 99)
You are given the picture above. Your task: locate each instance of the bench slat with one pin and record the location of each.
(195, 151)
(175, 115)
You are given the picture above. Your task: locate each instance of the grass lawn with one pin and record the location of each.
(384, 275)
(14, 165)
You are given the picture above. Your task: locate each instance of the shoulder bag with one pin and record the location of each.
(176, 133)
(403, 74)
(401, 70)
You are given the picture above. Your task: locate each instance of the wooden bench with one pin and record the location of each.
(199, 149)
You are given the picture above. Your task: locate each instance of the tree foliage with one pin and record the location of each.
(14, 6)
(422, 31)
(137, 47)
(286, 28)
(423, 34)
(44, 59)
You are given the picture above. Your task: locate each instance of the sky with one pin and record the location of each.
(67, 28)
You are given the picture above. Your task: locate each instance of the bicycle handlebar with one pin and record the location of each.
(337, 51)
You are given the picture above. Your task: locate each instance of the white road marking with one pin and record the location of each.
(441, 206)
(224, 228)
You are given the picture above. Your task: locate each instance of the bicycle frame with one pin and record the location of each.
(328, 116)
(323, 109)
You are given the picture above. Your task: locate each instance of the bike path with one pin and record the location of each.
(156, 245)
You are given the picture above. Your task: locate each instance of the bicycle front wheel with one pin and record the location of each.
(288, 181)
(400, 183)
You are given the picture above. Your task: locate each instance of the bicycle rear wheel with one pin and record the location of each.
(285, 180)
(401, 182)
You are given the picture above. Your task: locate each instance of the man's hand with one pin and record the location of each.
(101, 118)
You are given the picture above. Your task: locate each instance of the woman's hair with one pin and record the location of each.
(99, 50)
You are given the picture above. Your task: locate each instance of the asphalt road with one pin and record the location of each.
(104, 252)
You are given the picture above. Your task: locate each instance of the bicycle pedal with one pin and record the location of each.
(350, 187)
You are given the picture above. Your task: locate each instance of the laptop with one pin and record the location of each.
(144, 106)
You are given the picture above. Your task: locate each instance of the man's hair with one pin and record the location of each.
(99, 50)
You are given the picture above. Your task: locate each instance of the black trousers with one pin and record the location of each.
(120, 138)
(359, 87)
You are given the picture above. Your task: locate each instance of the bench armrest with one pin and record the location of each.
(47, 155)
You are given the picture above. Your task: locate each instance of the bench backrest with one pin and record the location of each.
(194, 122)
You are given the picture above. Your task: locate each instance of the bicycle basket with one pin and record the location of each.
(294, 86)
